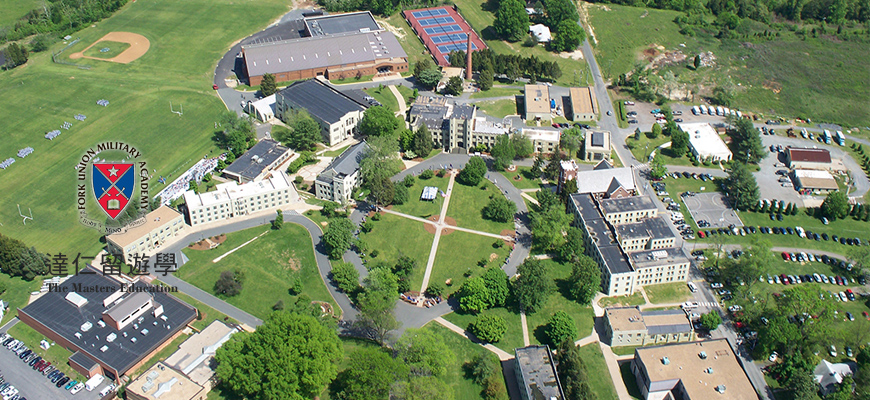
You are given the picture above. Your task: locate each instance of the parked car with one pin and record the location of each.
(832, 351)
(773, 357)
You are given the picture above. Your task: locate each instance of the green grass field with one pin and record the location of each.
(599, 381)
(409, 41)
(424, 208)
(466, 204)
(11, 11)
(513, 337)
(528, 180)
(384, 96)
(115, 48)
(17, 294)
(667, 293)
(499, 108)
(464, 350)
(635, 299)
(335, 153)
(497, 92)
(207, 313)
(139, 95)
(269, 262)
(394, 236)
(459, 252)
(558, 301)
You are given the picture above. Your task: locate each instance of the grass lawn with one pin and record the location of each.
(269, 263)
(408, 39)
(11, 11)
(643, 147)
(138, 114)
(384, 96)
(335, 153)
(558, 301)
(635, 299)
(406, 92)
(459, 252)
(464, 350)
(466, 204)
(599, 381)
(497, 92)
(424, 208)
(676, 292)
(527, 180)
(115, 48)
(17, 294)
(394, 236)
(513, 337)
(498, 108)
(56, 354)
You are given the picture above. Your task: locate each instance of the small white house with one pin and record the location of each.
(263, 109)
(541, 32)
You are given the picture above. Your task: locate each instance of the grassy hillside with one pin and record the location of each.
(187, 39)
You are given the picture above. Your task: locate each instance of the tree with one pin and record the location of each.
(573, 247)
(290, 356)
(657, 169)
(572, 373)
(268, 86)
(473, 295)
(485, 79)
(41, 42)
(511, 21)
(15, 55)
(378, 121)
(337, 237)
(369, 375)
(305, 132)
(404, 267)
(568, 37)
(473, 172)
(523, 147)
(558, 11)
(423, 65)
(778, 334)
(534, 285)
(585, 279)
(454, 86)
(499, 209)
(560, 328)
(482, 366)
(548, 225)
(237, 132)
(379, 162)
(745, 141)
(497, 286)
(191, 185)
(425, 352)
(229, 284)
(803, 385)
(488, 328)
(697, 61)
(429, 78)
(345, 276)
(377, 303)
(400, 194)
(503, 152)
(656, 131)
(278, 222)
(742, 188)
(423, 388)
(722, 96)
(679, 142)
(568, 188)
(422, 143)
(836, 205)
(711, 320)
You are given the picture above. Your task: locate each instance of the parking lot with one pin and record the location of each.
(32, 384)
(713, 208)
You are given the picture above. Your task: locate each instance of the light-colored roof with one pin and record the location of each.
(153, 220)
(481, 125)
(624, 319)
(321, 51)
(537, 98)
(192, 357)
(583, 100)
(600, 180)
(541, 135)
(127, 306)
(161, 382)
(624, 204)
(538, 372)
(699, 374)
(265, 106)
(657, 258)
(541, 32)
(705, 140)
(831, 374)
(815, 179)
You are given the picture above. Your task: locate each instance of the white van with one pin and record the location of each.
(692, 287)
(106, 390)
(92, 383)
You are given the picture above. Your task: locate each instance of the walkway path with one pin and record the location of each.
(455, 228)
(502, 355)
(438, 229)
(525, 328)
(403, 107)
(615, 373)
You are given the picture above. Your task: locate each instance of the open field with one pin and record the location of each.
(138, 114)
(269, 263)
(599, 381)
(409, 41)
(423, 208)
(635, 299)
(394, 236)
(528, 179)
(384, 96)
(17, 294)
(11, 11)
(499, 108)
(497, 92)
(513, 337)
(558, 301)
(464, 350)
(466, 204)
(643, 147)
(459, 253)
(335, 153)
(667, 293)
(207, 313)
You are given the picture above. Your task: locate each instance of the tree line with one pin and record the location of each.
(60, 17)
(18, 259)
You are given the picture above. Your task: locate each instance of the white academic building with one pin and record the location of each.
(705, 142)
(338, 181)
(230, 200)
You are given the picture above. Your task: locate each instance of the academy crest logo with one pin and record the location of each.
(112, 182)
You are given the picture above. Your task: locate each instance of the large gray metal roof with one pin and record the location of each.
(251, 164)
(345, 164)
(341, 23)
(320, 100)
(321, 52)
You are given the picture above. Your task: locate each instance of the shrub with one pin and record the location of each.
(435, 289)
(560, 328)
(427, 174)
(488, 328)
(297, 179)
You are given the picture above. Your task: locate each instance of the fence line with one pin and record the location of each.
(59, 61)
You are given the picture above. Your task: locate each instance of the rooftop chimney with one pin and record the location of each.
(468, 61)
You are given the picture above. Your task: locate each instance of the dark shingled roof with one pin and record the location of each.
(267, 151)
(65, 319)
(598, 139)
(341, 23)
(345, 164)
(320, 100)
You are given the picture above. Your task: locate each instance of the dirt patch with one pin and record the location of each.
(492, 256)
(139, 45)
(650, 53)
(208, 243)
(293, 263)
(324, 223)
(445, 231)
(573, 55)
(325, 308)
(772, 85)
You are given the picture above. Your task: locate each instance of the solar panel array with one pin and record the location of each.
(446, 48)
(6, 163)
(53, 134)
(436, 21)
(437, 30)
(25, 152)
(434, 12)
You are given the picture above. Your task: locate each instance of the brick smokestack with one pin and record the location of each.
(468, 61)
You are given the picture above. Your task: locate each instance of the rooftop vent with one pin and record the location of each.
(665, 361)
(104, 348)
(76, 299)
(703, 355)
(709, 370)
(87, 326)
(111, 338)
(720, 388)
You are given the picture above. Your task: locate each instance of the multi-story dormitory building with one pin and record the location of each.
(631, 243)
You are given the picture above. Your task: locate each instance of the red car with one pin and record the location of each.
(786, 256)
(866, 315)
(215, 87)
(701, 234)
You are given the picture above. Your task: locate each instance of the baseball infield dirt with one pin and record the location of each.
(138, 47)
